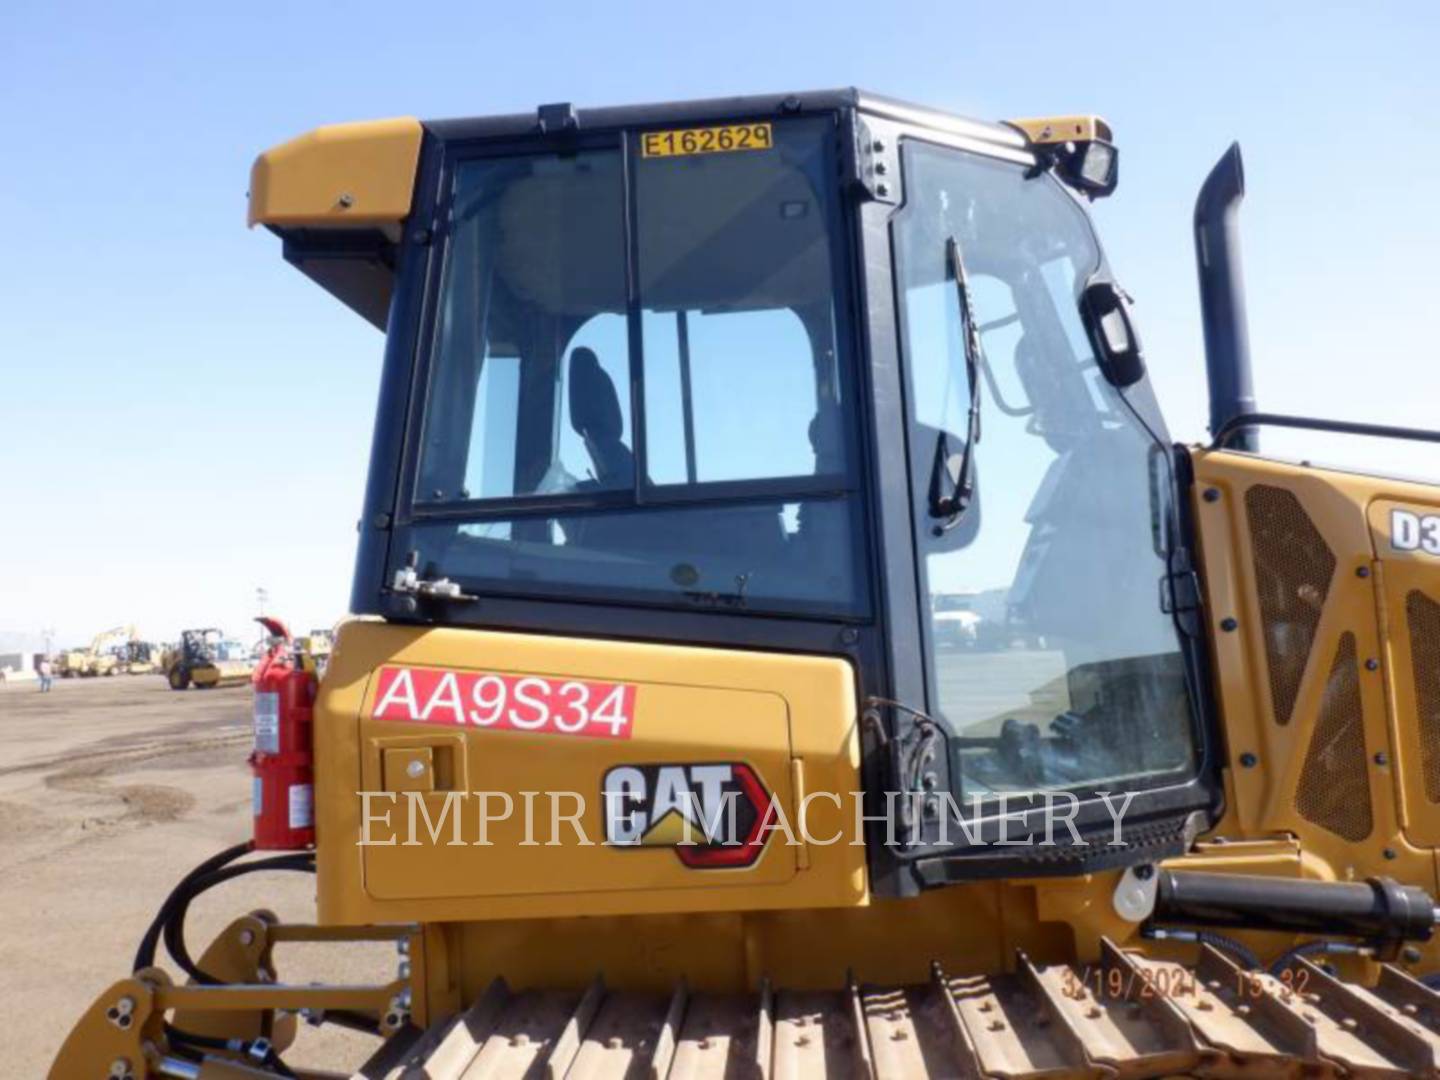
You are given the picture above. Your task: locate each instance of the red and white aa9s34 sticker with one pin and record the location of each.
(547, 705)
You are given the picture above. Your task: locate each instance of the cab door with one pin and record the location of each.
(1048, 656)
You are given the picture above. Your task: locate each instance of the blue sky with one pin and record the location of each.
(184, 418)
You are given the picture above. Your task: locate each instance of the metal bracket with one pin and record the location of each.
(1134, 897)
(553, 119)
(408, 582)
(876, 162)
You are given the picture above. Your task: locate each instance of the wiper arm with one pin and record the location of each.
(951, 504)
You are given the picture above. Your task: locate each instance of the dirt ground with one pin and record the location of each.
(110, 790)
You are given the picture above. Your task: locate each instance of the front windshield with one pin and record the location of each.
(1049, 657)
(644, 403)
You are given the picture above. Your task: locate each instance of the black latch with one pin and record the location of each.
(1180, 592)
(553, 119)
(1180, 595)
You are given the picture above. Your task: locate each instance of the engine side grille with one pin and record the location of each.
(1422, 616)
(1334, 791)
(1293, 568)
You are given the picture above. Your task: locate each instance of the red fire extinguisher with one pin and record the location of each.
(282, 763)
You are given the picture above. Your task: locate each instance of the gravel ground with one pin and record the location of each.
(110, 790)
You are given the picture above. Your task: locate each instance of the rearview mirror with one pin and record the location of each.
(1106, 311)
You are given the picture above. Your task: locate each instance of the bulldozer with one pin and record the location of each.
(644, 742)
(205, 658)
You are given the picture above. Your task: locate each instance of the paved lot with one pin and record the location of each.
(110, 790)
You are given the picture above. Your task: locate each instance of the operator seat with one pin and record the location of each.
(596, 417)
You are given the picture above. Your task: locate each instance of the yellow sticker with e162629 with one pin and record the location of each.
(710, 140)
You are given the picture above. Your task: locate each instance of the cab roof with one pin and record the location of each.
(339, 195)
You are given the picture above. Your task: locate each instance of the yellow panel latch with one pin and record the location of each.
(410, 768)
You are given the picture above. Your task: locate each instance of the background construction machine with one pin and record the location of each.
(71, 663)
(139, 657)
(104, 655)
(317, 645)
(690, 414)
(205, 659)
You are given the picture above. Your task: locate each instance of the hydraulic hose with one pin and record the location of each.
(1239, 951)
(174, 928)
(1248, 960)
(1316, 948)
(268, 1057)
(169, 923)
(145, 954)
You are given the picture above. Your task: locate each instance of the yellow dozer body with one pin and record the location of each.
(652, 742)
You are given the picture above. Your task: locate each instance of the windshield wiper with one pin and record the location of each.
(952, 483)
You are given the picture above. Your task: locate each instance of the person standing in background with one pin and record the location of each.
(47, 674)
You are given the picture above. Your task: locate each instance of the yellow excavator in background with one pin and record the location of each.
(100, 657)
(652, 742)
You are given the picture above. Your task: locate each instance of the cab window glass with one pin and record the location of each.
(543, 476)
(1049, 656)
(711, 379)
(531, 335)
(737, 288)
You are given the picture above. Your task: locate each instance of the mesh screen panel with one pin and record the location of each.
(1422, 616)
(1293, 568)
(1334, 788)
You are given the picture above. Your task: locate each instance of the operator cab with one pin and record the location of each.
(821, 373)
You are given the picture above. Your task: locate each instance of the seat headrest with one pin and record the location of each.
(594, 405)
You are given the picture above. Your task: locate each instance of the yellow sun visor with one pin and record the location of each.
(342, 176)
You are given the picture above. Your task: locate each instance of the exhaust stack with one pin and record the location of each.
(1222, 297)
